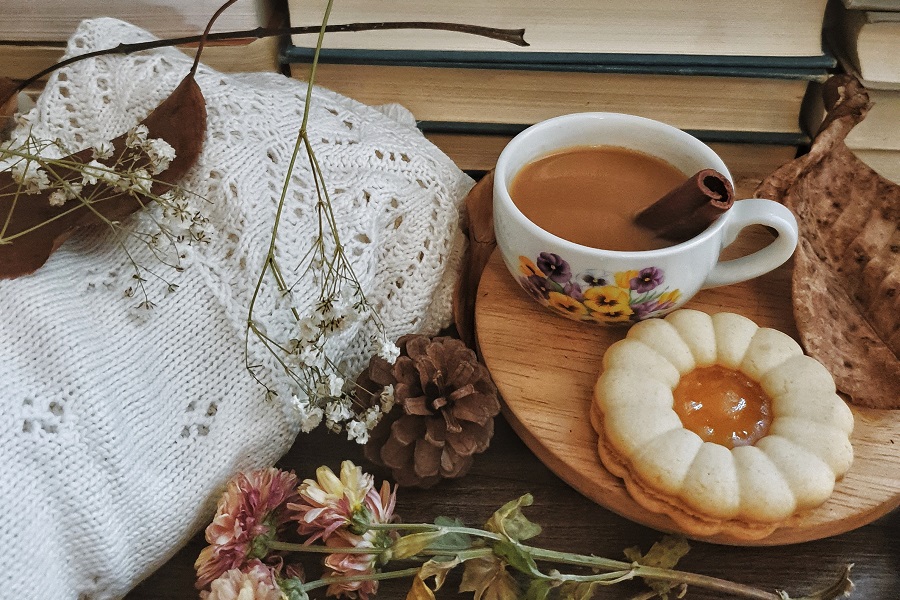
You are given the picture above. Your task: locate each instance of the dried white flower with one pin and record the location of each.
(73, 189)
(36, 181)
(160, 153)
(283, 300)
(371, 417)
(103, 150)
(31, 176)
(308, 329)
(312, 357)
(140, 181)
(308, 414)
(338, 411)
(331, 386)
(137, 136)
(387, 398)
(93, 171)
(58, 198)
(335, 385)
(342, 304)
(389, 351)
(114, 179)
(357, 432)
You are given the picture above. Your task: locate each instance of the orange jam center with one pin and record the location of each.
(723, 405)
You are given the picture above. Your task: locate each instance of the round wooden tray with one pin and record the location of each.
(545, 367)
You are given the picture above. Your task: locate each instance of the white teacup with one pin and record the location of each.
(612, 287)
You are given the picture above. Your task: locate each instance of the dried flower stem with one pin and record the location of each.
(617, 567)
(488, 535)
(636, 570)
(616, 571)
(381, 576)
(312, 549)
(271, 263)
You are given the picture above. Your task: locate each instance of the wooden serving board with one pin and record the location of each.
(545, 367)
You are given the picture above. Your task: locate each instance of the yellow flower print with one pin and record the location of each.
(606, 299)
(528, 268)
(613, 316)
(672, 297)
(567, 304)
(623, 278)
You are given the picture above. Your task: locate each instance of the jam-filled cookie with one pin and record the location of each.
(723, 425)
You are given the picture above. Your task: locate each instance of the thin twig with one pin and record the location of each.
(512, 36)
(205, 36)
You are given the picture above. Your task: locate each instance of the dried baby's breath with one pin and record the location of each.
(323, 391)
(65, 180)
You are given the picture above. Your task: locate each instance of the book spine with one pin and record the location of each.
(882, 5)
(809, 68)
(706, 135)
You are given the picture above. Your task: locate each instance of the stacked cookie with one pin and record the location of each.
(713, 474)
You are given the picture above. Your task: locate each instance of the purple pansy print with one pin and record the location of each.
(536, 287)
(594, 294)
(643, 310)
(554, 267)
(647, 280)
(573, 290)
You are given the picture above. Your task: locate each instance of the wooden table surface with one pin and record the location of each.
(573, 523)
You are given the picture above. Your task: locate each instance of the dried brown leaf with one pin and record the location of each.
(480, 231)
(846, 280)
(180, 120)
(9, 101)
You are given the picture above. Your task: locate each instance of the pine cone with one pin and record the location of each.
(445, 404)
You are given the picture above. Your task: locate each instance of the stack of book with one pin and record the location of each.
(33, 33)
(730, 71)
(865, 36)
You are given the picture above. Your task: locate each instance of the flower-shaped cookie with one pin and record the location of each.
(749, 481)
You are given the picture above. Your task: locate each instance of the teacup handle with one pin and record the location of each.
(752, 212)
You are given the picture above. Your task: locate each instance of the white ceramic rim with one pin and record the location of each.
(501, 179)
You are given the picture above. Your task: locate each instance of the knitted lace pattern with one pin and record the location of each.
(120, 426)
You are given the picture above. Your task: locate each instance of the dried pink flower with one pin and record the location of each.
(329, 502)
(249, 514)
(255, 581)
(377, 507)
(338, 565)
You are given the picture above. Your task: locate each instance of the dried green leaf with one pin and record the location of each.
(539, 589)
(840, 588)
(488, 578)
(664, 554)
(439, 569)
(510, 522)
(451, 541)
(419, 590)
(578, 591)
(414, 543)
(517, 558)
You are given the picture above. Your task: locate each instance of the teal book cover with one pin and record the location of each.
(781, 67)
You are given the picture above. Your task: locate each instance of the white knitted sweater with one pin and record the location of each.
(118, 431)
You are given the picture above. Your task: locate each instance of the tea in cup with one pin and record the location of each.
(565, 195)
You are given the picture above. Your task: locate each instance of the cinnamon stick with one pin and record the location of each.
(689, 208)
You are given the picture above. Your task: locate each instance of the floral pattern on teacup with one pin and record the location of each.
(619, 297)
